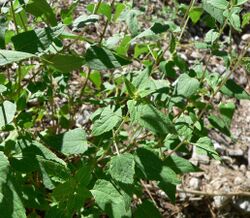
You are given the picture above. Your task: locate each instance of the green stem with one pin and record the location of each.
(186, 19)
(106, 25)
(14, 15)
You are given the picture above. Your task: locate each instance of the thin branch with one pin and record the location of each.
(148, 192)
(229, 194)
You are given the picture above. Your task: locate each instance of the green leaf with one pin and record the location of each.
(69, 143)
(130, 88)
(220, 4)
(183, 126)
(180, 165)
(37, 41)
(4, 170)
(122, 168)
(227, 111)
(169, 189)
(72, 194)
(2, 88)
(232, 89)
(241, 2)
(107, 121)
(119, 7)
(74, 142)
(167, 67)
(65, 63)
(211, 36)
(27, 154)
(245, 19)
(234, 17)
(157, 28)
(195, 14)
(187, 86)
(7, 113)
(109, 199)
(153, 168)
(41, 8)
(52, 172)
(206, 144)
(150, 118)
(84, 20)
(130, 16)
(103, 9)
(211, 7)
(220, 124)
(99, 58)
(147, 209)
(9, 57)
(31, 192)
(10, 202)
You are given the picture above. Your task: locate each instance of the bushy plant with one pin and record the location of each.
(94, 106)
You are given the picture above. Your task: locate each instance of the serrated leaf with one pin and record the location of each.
(150, 118)
(186, 85)
(214, 11)
(7, 113)
(27, 154)
(220, 4)
(52, 172)
(206, 144)
(99, 58)
(232, 89)
(234, 17)
(72, 194)
(109, 199)
(37, 41)
(9, 57)
(107, 121)
(122, 168)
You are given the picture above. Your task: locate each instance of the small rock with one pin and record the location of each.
(199, 157)
(243, 204)
(220, 201)
(195, 183)
(195, 55)
(248, 174)
(235, 152)
(243, 168)
(218, 147)
(221, 69)
(245, 37)
(238, 180)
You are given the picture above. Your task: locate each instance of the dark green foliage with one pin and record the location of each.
(88, 115)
